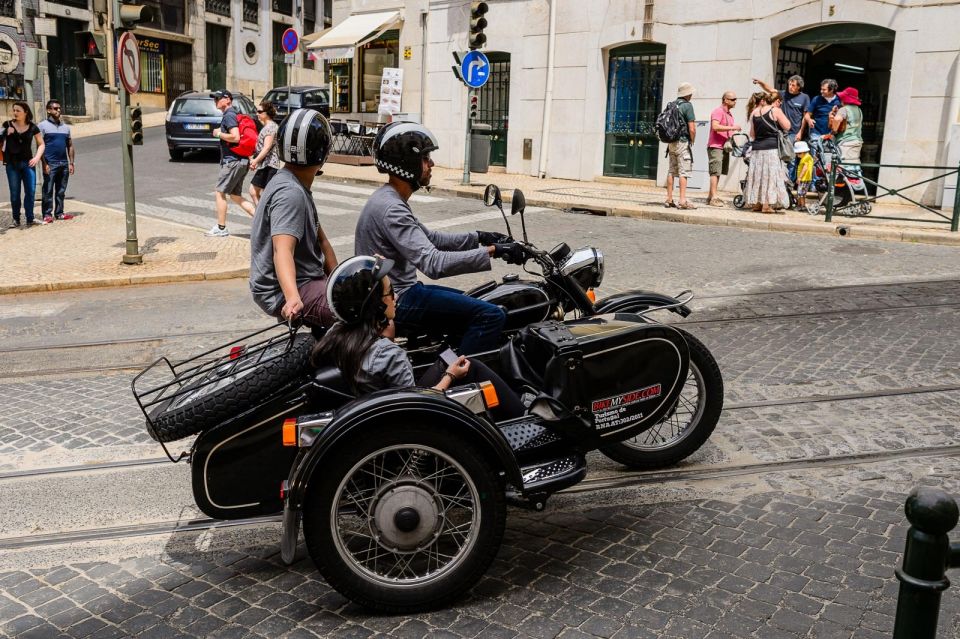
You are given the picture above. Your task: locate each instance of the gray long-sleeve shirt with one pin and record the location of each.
(388, 227)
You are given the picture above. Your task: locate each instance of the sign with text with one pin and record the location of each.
(391, 88)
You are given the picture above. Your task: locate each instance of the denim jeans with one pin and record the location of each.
(19, 172)
(54, 189)
(438, 309)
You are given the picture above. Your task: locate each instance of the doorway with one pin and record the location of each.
(179, 68)
(855, 55)
(634, 98)
(279, 56)
(216, 57)
(495, 106)
(66, 82)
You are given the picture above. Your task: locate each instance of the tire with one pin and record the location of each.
(176, 155)
(367, 485)
(650, 450)
(738, 201)
(202, 406)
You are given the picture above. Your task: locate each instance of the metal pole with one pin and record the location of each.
(932, 514)
(466, 143)
(132, 254)
(831, 182)
(955, 222)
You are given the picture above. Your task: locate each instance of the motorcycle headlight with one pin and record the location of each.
(584, 265)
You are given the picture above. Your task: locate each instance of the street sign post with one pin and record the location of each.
(290, 42)
(128, 62)
(473, 69)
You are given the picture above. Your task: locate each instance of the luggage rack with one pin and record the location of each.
(209, 367)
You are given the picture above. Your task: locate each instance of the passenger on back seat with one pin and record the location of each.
(361, 343)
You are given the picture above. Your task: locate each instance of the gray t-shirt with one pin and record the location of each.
(385, 365)
(389, 228)
(285, 208)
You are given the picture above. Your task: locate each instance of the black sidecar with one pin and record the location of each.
(402, 494)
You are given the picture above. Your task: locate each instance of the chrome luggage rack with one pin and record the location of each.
(204, 369)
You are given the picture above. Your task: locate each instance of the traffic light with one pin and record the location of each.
(477, 24)
(135, 118)
(474, 106)
(92, 61)
(133, 14)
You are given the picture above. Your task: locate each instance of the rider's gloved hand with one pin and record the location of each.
(510, 252)
(489, 238)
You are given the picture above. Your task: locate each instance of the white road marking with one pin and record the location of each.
(32, 310)
(206, 205)
(238, 222)
(368, 191)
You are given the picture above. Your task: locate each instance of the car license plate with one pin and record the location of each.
(197, 127)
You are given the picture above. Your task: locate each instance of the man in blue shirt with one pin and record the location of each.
(57, 163)
(818, 113)
(795, 105)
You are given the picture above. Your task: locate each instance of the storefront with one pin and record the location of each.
(341, 74)
(165, 70)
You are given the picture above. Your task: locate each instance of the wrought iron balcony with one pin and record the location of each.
(219, 7)
(8, 9)
(251, 11)
(283, 6)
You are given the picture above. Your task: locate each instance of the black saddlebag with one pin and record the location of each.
(605, 378)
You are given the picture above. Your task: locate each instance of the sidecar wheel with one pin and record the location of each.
(201, 405)
(685, 429)
(406, 518)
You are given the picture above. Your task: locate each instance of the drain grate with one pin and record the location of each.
(197, 257)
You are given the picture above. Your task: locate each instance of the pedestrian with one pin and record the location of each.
(19, 134)
(794, 104)
(817, 117)
(721, 128)
(290, 255)
(804, 179)
(233, 167)
(765, 189)
(846, 123)
(680, 153)
(58, 161)
(265, 162)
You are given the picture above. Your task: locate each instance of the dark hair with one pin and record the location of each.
(754, 101)
(831, 84)
(50, 103)
(269, 109)
(26, 107)
(345, 346)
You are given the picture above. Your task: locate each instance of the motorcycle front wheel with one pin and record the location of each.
(405, 519)
(687, 426)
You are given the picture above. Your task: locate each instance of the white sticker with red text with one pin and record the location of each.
(622, 409)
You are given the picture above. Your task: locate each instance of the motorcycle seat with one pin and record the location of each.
(331, 380)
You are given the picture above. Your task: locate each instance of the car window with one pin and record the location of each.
(245, 105)
(276, 97)
(204, 107)
(315, 98)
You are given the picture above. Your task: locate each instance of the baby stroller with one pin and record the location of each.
(742, 145)
(850, 196)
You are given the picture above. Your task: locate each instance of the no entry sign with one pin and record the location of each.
(128, 62)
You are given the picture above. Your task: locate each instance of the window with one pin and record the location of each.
(340, 77)
(168, 15)
(315, 98)
(375, 56)
(196, 107)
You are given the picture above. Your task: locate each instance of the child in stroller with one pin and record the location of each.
(742, 144)
(849, 191)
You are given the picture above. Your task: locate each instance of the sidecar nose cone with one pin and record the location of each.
(406, 519)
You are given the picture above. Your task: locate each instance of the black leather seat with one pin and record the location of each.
(332, 384)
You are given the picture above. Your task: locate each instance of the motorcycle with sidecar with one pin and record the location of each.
(402, 493)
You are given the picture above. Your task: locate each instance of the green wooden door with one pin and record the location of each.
(634, 98)
(495, 106)
(216, 57)
(279, 66)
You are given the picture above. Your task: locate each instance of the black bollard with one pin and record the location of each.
(927, 555)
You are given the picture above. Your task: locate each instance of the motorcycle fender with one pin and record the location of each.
(632, 301)
(417, 405)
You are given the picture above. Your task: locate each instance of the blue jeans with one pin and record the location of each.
(54, 189)
(438, 309)
(20, 172)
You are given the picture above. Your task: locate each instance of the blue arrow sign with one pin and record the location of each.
(475, 68)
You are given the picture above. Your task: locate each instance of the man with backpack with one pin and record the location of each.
(236, 146)
(677, 126)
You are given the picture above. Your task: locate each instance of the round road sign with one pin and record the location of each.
(290, 41)
(128, 62)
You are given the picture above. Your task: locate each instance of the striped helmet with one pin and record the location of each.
(399, 148)
(304, 138)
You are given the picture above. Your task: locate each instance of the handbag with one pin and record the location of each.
(784, 145)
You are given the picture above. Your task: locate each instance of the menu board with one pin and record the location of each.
(391, 87)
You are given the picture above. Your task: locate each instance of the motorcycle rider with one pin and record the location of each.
(290, 256)
(388, 227)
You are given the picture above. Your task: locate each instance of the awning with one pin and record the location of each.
(342, 40)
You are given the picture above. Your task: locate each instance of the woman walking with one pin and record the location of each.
(265, 161)
(19, 133)
(765, 190)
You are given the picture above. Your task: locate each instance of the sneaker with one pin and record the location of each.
(216, 231)
(15, 224)
(65, 216)
(47, 220)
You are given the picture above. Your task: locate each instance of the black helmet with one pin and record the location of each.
(355, 288)
(399, 148)
(304, 138)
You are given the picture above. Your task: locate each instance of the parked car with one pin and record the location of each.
(192, 118)
(286, 99)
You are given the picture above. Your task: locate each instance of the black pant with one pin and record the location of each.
(510, 404)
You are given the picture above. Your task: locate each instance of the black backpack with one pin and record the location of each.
(670, 124)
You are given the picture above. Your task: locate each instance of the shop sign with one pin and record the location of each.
(45, 27)
(391, 88)
(150, 45)
(334, 53)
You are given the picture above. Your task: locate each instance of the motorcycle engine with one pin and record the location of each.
(585, 265)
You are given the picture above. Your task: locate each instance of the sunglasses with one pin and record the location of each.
(731, 99)
(260, 111)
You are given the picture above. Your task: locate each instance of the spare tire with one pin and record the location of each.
(215, 397)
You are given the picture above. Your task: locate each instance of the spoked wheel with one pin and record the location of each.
(738, 201)
(406, 519)
(689, 423)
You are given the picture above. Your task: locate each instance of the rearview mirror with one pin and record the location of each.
(517, 203)
(491, 195)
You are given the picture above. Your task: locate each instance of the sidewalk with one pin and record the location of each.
(102, 127)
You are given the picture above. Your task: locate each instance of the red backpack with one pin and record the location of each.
(248, 136)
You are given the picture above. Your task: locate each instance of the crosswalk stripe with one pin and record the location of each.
(198, 203)
(241, 221)
(368, 191)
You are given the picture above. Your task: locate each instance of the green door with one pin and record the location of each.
(279, 66)
(634, 98)
(495, 106)
(66, 82)
(216, 57)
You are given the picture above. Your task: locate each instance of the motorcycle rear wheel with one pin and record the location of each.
(687, 426)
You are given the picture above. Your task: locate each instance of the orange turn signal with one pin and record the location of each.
(489, 395)
(591, 295)
(290, 432)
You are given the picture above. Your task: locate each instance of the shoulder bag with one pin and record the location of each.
(784, 145)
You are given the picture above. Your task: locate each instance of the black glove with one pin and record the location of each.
(489, 238)
(510, 252)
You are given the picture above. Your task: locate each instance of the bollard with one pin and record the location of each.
(831, 182)
(926, 556)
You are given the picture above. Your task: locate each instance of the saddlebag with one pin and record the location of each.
(604, 378)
